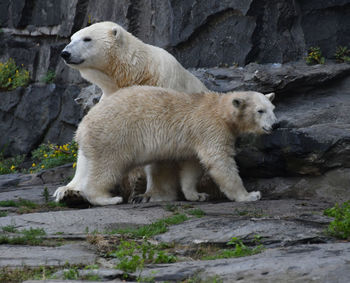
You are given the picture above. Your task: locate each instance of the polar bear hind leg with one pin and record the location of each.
(162, 183)
(190, 173)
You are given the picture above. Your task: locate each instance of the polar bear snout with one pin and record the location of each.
(70, 58)
(65, 55)
(276, 125)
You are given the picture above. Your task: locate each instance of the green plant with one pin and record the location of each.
(19, 203)
(8, 274)
(315, 56)
(196, 212)
(11, 76)
(46, 194)
(10, 165)
(154, 228)
(49, 77)
(71, 274)
(171, 207)
(239, 250)
(133, 256)
(3, 213)
(342, 54)
(340, 226)
(164, 257)
(27, 206)
(49, 155)
(9, 229)
(29, 237)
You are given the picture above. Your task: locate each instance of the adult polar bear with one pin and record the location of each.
(112, 58)
(167, 125)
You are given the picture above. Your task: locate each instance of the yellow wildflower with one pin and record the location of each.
(43, 166)
(33, 165)
(10, 80)
(13, 167)
(75, 155)
(45, 155)
(74, 164)
(65, 147)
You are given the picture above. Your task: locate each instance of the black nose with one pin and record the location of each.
(276, 126)
(65, 55)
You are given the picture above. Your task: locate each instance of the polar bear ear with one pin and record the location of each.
(238, 103)
(270, 96)
(116, 32)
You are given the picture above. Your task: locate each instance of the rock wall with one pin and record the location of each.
(229, 31)
(211, 37)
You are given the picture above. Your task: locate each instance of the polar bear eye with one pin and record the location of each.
(261, 111)
(86, 39)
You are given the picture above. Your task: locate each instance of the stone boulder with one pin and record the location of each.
(36, 114)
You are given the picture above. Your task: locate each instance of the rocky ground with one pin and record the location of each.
(287, 237)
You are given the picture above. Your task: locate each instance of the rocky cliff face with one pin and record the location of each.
(211, 37)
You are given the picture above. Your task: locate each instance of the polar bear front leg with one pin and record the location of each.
(103, 175)
(223, 169)
(190, 172)
(74, 187)
(90, 183)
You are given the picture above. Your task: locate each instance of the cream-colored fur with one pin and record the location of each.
(112, 58)
(140, 125)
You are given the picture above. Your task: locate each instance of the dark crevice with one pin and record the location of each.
(28, 14)
(35, 64)
(132, 15)
(80, 13)
(211, 20)
(256, 10)
(49, 124)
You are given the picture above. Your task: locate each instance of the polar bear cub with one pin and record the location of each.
(141, 124)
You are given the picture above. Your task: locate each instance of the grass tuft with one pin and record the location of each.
(30, 237)
(196, 212)
(154, 228)
(340, 226)
(239, 250)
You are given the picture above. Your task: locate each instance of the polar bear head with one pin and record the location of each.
(250, 111)
(106, 55)
(93, 46)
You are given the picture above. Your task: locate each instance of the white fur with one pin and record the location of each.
(113, 59)
(140, 125)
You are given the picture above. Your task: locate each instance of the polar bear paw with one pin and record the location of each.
(61, 193)
(70, 197)
(141, 198)
(194, 196)
(252, 196)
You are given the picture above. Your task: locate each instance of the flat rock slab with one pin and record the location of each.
(220, 230)
(282, 208)
(277, 222)
(76, 222)
(33, 256)
(32, 193)
(31, 186)
(304, 263)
